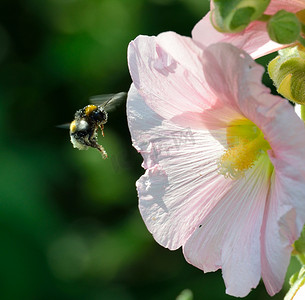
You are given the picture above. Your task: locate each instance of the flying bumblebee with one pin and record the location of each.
(87, 121)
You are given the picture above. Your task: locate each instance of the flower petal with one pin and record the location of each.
(278, 233)
(289, 5)
(167, 72)
(231, 86)
(229, 237)
(285, 213)
(181, 182)
(254, 39)
(221, 223)
(241, 89)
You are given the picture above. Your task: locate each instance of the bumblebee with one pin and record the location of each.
(87, 121)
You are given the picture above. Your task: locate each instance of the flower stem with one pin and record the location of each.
(301, 258)
(301, 40)
(264, 18)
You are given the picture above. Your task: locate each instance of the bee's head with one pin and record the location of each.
(99, 115)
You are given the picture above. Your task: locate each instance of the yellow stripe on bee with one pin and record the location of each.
(72, 126)
(89, 109)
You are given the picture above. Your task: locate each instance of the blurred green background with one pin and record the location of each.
(69, 223)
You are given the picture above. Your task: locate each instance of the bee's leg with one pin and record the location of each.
(94, 144)
(102, 127)
(103, 151)
(99, 147)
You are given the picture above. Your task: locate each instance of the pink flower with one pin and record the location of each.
(224, 159)
(254, 39)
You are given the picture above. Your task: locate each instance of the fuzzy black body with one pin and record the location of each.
(87, 121)
(84, 128)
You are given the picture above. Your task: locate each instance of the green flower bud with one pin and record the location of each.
(297, 282)
(293, 278)
(287, 73)
(235, 15)
(284, 27)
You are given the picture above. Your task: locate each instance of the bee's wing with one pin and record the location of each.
(108, 101)
(64, 126)
(100, 99)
